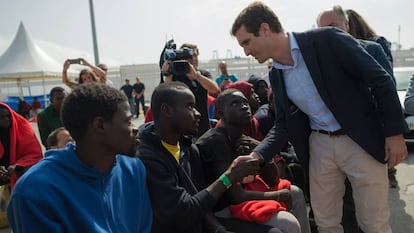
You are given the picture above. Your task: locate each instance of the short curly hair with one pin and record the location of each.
(52, 139)
(85, 103)
(56, 90)
(222, 97)
(165, 93)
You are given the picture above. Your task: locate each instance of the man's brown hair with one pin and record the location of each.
(255, 14)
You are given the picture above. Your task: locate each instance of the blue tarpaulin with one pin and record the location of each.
(13, 101)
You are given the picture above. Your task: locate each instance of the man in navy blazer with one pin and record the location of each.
(335, 103)
(336, 17)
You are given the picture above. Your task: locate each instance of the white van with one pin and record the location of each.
(402, 77)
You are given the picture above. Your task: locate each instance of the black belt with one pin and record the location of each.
(330, 133)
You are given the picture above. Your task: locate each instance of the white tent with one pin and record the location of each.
(24, 60)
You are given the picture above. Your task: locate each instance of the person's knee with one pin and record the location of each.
(285, 221)
(297, 195)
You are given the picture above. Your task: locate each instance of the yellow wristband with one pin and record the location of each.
(225, 180)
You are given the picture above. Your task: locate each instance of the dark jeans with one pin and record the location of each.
(131, 102)
(137, 102)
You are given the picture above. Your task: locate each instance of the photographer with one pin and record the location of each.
(94, 74)
(199, 81)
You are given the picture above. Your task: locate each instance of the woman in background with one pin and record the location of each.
(360, 29)
(85, 76)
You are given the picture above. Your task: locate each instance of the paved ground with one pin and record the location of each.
(401, 200)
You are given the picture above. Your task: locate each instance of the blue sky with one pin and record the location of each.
(134, 31)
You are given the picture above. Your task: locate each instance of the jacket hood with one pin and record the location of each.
(66, 157)
(243, 86)
(255, 80)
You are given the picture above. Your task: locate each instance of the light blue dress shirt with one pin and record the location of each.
(302, 91)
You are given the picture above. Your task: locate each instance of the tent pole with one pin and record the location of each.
(28, 86)
(44, 90)
(19, 88)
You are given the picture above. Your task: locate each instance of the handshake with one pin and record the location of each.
(243, 171)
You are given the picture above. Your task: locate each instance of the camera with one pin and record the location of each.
(177, 58)
(178, 54)
(75, 61)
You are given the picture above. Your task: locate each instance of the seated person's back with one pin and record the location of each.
(93, 186)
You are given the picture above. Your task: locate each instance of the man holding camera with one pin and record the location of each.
(199, 81)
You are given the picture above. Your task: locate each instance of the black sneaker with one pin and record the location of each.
(392, 178)
(393, 182)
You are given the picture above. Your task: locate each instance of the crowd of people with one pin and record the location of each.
(303, 149)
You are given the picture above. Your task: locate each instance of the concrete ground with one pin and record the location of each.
(401, 199)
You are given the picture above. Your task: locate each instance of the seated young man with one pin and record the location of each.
(287, 162)
(260, 87)
(58, 138)
(234, 111)
(174, 172)
(252, 129)
(90, 187)
(266, 115)
(19, 147)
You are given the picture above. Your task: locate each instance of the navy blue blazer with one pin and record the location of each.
(375, 50)
(357, 90)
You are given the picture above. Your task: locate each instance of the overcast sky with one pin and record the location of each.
(134, 31)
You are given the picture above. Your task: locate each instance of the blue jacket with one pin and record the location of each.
(375, 50)
(62, 194)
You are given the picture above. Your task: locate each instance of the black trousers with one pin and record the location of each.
(139, 101)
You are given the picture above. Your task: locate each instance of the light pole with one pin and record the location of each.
(94, 40)
(399, 34)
